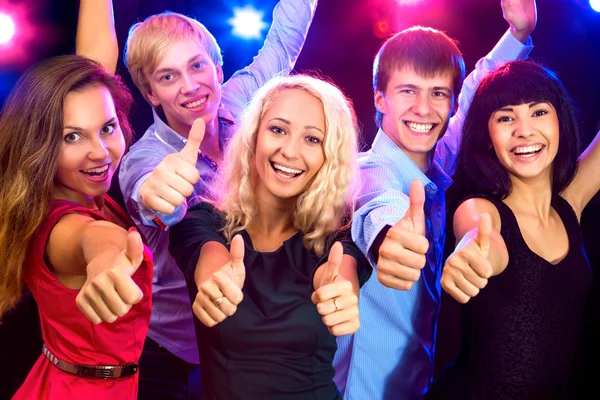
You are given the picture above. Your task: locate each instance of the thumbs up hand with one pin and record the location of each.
(109, 293)
(402, 254)
(335, 298)
(173, 179)
(219, 295)
(468, 269)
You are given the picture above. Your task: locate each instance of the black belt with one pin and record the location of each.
(91, 371)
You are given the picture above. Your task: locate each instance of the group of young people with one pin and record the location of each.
(260, 255)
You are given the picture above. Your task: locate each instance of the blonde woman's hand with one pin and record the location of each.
(335, 298)
(220, 294)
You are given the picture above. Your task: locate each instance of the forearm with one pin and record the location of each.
(96, 37)
(102, 240)
(213, 256)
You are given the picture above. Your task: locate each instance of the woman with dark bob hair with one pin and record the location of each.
(519, 256)
(63, 131)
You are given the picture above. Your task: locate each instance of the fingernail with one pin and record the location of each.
(132, 229)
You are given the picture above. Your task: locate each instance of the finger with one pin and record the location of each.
(340, 316)
(455, 292)
(401, 237)
(392, 255)
(183, 181)
(171, 196)
(202, 315)
(95, 300)
(190, 151)
(398, 270)
(332, 290)
(127, 290)
(345, 328)
(237, 251)
(484, 232)
(87, 310)
(210, 306)
(134, 250)
(394, 282)
(227, 286)
(156, 203)
(479, 265)
(465, 286)
(342, 302)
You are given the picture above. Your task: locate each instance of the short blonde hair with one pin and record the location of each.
(149, 40)
(327, 203)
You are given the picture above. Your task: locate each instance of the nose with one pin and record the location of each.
(290, 147)
(189, 84)
(523, 128)
(98, 150)
(421, 104)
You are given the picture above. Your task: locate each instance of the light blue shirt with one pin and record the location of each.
(391, 355)
(171, 323)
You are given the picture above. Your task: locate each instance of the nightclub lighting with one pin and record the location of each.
(595, 4)
(247, 23)
(7, 28)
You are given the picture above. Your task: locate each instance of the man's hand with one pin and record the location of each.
(521, 15)
(173, 179)
(109, 293)
(402, 254)
(219, 295)
(468, 269)
(335, 297)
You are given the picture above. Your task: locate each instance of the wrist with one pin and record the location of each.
(522, 35)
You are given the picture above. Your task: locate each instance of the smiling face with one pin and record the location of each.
(416, 111)
(186, 83)
(525, 138)
(92, 146)
(289, 147)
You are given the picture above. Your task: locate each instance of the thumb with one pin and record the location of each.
(238, 268)
(414, 219)
(190, 151)
(484, 231)
(135, 249)
(336, 254)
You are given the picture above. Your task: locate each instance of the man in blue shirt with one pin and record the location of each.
(399, 226)
(176, 64)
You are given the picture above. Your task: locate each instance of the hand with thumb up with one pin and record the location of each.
(173, 179)
(219, 295)
(402, 254)
(109, 291)
(335, 297)
(468, 269)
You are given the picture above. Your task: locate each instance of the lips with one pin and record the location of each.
(96, 171)
(195, 103)
(285, 171)
(420, 127)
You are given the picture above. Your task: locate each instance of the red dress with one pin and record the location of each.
(71, 336)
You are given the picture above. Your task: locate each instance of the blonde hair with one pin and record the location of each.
(327, 203)
(149, 40)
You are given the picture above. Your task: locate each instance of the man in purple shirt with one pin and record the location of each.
(176, 64)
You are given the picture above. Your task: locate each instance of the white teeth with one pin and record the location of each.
(287, 170)
(528, 149)
(196, 103)
(97, 170)
(420, 128)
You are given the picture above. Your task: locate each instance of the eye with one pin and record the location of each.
(167, 77)
(277, 130)
(504, 118)
(313, 140)
(407, 91)
(198, 65)
(72, 137)
(439, 94)
(108, 129)
(540, 112)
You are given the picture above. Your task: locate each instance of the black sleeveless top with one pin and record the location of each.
(519, 333)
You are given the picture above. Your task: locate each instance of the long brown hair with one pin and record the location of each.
(31, 126)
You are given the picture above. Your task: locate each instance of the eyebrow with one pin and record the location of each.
(76, 128)
(169, 69)
(411, 86)
(285, 121)
(510, 109)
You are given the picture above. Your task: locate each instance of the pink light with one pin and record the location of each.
(408, 2)
(7, 28)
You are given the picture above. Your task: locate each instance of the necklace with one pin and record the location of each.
(209, 161)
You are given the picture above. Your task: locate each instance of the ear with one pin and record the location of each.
(219, 73)
(380, 101)
(152, 98)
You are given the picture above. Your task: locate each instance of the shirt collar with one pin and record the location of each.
(435, 179)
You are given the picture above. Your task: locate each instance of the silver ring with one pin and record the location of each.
(335, 304)
(217, 302)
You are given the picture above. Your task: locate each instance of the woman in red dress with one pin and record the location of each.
(63, 132)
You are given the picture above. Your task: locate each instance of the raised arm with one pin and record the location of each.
(521, 15)
(106, 254)
(291, 20)
(480, 251)
(96, 38)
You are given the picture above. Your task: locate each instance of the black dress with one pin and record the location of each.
(520, 332)
(275, 346)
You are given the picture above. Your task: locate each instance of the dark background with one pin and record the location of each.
(341, 44)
